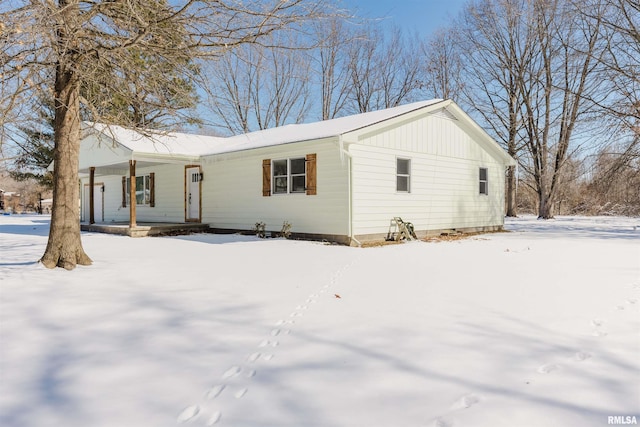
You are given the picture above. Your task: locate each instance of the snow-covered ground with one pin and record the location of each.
(536, 327)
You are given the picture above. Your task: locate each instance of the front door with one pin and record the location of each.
(192, 193)
(98, 196)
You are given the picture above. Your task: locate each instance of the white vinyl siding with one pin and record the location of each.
(324, 213)
(444, 178)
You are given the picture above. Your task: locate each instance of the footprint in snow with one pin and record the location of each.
(254, 356)
(214, 418)
(215, 391)
(581, 356)
(275, 332)
(597, 322)
(547, 368)
(188, 414)
(267, 343)
(231, 372)
(599, 333)
(240, 393)
(443, 422)
(632, 301)
(466, 401)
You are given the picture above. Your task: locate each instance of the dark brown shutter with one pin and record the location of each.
(311, 174)
(124, 191)
(266, 177)
(152, 189)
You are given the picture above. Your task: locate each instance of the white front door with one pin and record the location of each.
(98, 214)
(192, 193)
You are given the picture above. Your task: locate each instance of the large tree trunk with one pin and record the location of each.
(64, 248)
(545, 208)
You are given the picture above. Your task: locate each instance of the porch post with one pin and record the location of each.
(92, 173)
(132, 193)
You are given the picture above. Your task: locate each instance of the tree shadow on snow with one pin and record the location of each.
(74, 367)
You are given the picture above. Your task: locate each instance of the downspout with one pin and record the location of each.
(344, 152)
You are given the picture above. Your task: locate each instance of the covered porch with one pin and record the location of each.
(136, 185)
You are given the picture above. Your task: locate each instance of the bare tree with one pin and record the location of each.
(614, 187)
(362, 70)
(331, 63)
(443, 65)
(285, 95)
(66, 44)
(559, 78)
(495, 41)
(258, 87)
(620, 26)
(384, 72)
(229, 84)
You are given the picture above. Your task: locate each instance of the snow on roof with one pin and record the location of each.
(157, 142)
(317, 130)
(198, 145)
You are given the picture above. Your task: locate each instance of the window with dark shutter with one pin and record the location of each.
(124, 191)
(311, 174)
(152, 189)
(266, 177)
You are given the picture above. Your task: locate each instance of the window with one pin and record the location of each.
(484, 181)
(285, 176)
(144, 190)
(403, 175)
(289, 176)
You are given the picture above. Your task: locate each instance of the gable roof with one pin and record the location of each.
(318, 130)
(192, 146)
(201, 145)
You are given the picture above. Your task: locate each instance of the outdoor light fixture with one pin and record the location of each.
(201, 176)
(102, 188)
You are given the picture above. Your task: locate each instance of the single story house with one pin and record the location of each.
(342, 180)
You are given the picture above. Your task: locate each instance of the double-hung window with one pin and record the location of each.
(403, 175)
(289, 176)
(484, 181)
